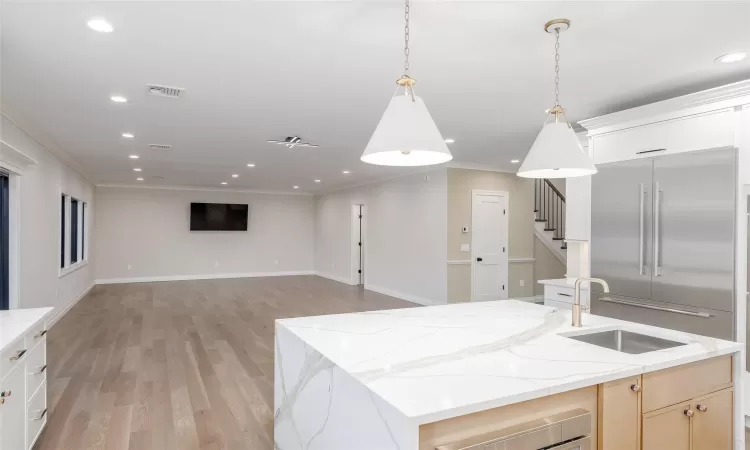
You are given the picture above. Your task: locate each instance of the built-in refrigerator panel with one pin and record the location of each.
(621, 205)
(693, 227)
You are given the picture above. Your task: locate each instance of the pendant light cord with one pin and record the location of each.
(557, 66)
(406, 39)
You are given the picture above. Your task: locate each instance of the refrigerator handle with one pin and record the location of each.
(641, 194)
(657, 240)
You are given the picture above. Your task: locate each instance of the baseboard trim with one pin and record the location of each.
(59, 313)
(203, 276)
(334, 278)
(402, 296)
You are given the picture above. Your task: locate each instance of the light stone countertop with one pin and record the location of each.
(14, 323)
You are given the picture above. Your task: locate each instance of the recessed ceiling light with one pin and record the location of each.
(139, 179)
(133, 156)
(251, 165)
(514, 161)
(731, 57)
(317, 181)
(234, 175)
(450, 141)
(295, 187)
(137, 169)
(345, 172)
(100, 25)
(223, 182)
(128, 135)
(118, 99)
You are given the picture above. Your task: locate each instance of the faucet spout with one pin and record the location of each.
(577, 298)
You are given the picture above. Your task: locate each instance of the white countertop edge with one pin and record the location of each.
(45, 313)
(566, 387)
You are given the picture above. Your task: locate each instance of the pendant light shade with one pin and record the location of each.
(406, 136)
(556, 153)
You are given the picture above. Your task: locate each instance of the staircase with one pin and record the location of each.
(549, 217)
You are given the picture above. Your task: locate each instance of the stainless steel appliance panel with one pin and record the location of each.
(703, 321)
(693, 227)
(621, 214)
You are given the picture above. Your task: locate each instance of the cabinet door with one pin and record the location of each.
(713, 420)
(12, 412)
(619, 409)
(668, 428)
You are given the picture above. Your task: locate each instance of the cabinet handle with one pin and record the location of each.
(5, 394)
(702, 408)
(564, 294)
(651, 151)
(18, 355)
(2, 401)
(41, 370)
(689, 413)
(635, 387)
(41, 333)
(41, 415)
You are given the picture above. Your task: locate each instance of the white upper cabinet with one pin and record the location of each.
(578, 203)
(699, 132)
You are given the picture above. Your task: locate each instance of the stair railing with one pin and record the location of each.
(549, 206)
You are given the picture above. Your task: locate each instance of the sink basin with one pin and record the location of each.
(626, 341)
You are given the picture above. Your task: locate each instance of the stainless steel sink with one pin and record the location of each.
(626, 341)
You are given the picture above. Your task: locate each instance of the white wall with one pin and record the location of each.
(148, 229)
(40, 187)
(406, 235)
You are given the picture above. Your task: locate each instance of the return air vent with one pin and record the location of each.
(164, 91)
(159, 146)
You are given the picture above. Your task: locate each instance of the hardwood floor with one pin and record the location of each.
(178, 365)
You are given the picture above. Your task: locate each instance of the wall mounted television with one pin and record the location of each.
(218, 217)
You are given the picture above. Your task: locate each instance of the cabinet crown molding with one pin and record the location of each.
(13, 159)
(722, 97)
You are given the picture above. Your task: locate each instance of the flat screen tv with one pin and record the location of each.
(218, 217)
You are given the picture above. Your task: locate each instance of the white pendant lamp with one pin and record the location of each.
(406, 134)
(556, 152)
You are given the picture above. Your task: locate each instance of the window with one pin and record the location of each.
(4, 241)
(73, 239)
(73, 231)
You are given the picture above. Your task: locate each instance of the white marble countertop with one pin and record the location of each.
(438, 362)
(14, 323)
(565, 282)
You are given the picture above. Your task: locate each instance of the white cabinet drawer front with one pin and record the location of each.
(564, 295)
(36, 368)
(35, 335)
(12, 411)
(702, 132)
(37, 416)
(13, 356)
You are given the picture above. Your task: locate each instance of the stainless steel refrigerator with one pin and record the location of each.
(663, 236)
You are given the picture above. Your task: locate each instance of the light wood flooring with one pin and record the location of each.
(178, 365)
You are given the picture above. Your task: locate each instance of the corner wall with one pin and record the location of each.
(405, 221)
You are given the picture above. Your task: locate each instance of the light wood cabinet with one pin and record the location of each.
(619, 414)
(667, 428)
(712, 421)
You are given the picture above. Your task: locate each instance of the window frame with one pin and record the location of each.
(66, 237)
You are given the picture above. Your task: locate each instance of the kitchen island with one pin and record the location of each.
(442, 376)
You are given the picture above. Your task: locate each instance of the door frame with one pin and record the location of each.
(354, 239)
(506, 194)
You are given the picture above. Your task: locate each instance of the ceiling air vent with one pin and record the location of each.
(164, 91)
(159, 146)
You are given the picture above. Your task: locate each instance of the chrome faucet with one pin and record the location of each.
(577, 297)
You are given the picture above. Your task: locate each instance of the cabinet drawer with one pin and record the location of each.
(564, 294)
(670, 386)
(35, 335)
(12, 357)
(701, 132)
(37, 415)
(36, 368)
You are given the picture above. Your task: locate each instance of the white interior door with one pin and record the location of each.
(489, 245)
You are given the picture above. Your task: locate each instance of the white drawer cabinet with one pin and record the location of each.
(23, 379)
(564, 295)
(699, 132)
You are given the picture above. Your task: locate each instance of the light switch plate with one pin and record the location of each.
(465, 247)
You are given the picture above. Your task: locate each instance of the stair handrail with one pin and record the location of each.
(549, 183)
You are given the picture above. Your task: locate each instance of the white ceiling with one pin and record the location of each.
(325, 71)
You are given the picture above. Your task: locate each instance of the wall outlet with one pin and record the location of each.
(216, 263)
(333, 266)
(523, 283)
(130, 267)
(465, 247)
(276, 262)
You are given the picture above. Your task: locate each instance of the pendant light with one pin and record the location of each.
(406, 134)
(556, 152)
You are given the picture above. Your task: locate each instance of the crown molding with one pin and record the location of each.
(728, 96)
(193, 188)
(482, 167)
